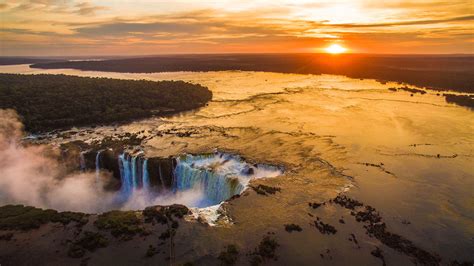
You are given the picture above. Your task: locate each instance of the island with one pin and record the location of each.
(47, 102)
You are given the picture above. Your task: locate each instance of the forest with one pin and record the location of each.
(438, 72)
(46, 102)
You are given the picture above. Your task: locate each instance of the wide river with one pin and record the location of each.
(409, 156)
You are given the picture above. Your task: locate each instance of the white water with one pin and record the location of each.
(217, 177)
(220, 176)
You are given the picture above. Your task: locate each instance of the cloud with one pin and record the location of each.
(404, 23)
(122, 28)
(54, 6)
(87, 9)
(124, 24)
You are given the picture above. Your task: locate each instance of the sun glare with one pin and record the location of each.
(335, 49)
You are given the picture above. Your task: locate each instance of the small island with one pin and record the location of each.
(47, 102)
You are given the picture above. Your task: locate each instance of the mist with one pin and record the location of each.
(33, 175)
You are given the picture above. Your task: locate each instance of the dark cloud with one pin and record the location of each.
(123, 28)
(29, 32)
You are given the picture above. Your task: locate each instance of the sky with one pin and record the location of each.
(147, 27)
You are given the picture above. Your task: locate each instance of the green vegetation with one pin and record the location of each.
(89, 241)
(121, 224)
(438, 72)
(47, 102)
(67, 217)
(461, 100)
(164, 214)
(229, 256)
(266, 250)
(19, 217)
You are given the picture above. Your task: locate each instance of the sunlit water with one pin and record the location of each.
(324, 130)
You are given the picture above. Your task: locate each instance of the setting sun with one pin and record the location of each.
(335, 49)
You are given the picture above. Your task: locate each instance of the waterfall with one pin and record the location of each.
(97, 167)
(146, 177)
(133, 164)
(82, 161)
(133, 174)
(161, 177)
(125, 178)
(220, 176)
(217, 176)
(217, 187)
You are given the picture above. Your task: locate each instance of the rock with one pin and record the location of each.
(164, 168)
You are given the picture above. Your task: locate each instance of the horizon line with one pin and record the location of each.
(236, 53)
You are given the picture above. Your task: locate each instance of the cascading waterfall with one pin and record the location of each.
(161, 176)
(97, 167)
(133, 174)
(82, 162)
(146, 176)
(216, 176)
(219, 175)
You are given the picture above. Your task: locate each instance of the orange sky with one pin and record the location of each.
(132, 27)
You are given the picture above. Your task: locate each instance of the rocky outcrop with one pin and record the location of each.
(161, 172)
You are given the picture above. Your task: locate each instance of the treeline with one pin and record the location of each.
(438, 72)
(12, 60)
(47, 102)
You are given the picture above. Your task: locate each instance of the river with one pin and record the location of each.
(409, 156)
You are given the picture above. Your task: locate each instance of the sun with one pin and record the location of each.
(335, 49)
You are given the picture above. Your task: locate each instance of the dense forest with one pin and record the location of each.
(437, 72)
(47, 102)
(13, 60)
